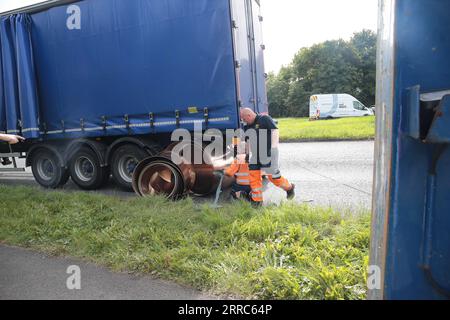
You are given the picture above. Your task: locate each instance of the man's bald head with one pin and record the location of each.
(248, 115)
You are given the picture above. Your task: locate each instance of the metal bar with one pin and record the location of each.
(383, 143)
(252, 52)
(219, 191)
(429, 216)
(13, 158)
(10, 155)
(12, 170)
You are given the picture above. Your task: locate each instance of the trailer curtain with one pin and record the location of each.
(19, 106)
(134, 67)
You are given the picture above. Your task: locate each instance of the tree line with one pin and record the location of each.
(336, 66)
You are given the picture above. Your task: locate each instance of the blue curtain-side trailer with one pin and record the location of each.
(110, 80)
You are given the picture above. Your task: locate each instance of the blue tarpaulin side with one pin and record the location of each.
(19, 109)
(100, 63)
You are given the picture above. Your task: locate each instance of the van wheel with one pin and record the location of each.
(86, 171)
(47, 170)
(124, 161)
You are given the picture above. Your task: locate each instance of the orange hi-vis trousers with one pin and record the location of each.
(257, 185)
(240, 171)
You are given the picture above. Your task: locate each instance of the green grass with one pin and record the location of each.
(287, 252)
(301, 129)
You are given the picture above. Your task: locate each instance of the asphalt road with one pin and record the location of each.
(28, 275)
(335, 174)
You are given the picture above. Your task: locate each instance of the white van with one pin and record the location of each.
(327, 106)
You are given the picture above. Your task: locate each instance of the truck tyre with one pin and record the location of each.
(86, 171)
(47, 170)
(124, 161)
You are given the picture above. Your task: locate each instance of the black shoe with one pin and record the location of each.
(291, 193)
(6, 161)
(256, 204)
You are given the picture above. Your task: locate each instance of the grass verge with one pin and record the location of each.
(301, 129)
(287, 252)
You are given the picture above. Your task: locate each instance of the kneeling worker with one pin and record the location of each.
(262, 132)
(240, 170)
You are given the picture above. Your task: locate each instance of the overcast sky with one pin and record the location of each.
(292, 24)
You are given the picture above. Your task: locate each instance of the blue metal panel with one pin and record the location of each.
(130, 58)
(417, 257)
(440, 129)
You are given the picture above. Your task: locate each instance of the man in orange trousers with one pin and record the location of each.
(263, 136)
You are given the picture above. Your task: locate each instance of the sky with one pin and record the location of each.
(290, 25)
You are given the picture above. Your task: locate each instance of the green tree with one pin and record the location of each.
(336, 66)
(365, 44)
(278, 90)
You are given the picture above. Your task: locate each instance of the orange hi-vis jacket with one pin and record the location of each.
(241, 171)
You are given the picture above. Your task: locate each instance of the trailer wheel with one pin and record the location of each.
(47, 170)
(123, 162)
(86, 171)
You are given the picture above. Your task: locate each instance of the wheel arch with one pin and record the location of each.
(146, 145)
(44, 146)
(98, 147)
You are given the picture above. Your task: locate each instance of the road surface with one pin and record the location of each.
(336, 174)
(28, 275)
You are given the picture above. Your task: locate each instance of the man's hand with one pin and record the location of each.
(11, 138)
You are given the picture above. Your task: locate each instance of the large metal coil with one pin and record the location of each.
(182, 168)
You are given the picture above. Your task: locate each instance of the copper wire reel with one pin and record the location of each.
(174, 174)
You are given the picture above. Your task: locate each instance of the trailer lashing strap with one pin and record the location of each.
(127, 123)
(44, 128)
(82, 126)
(177, 118)
(151, 117)
(20, 126)
(206, 116)
(104, 124)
